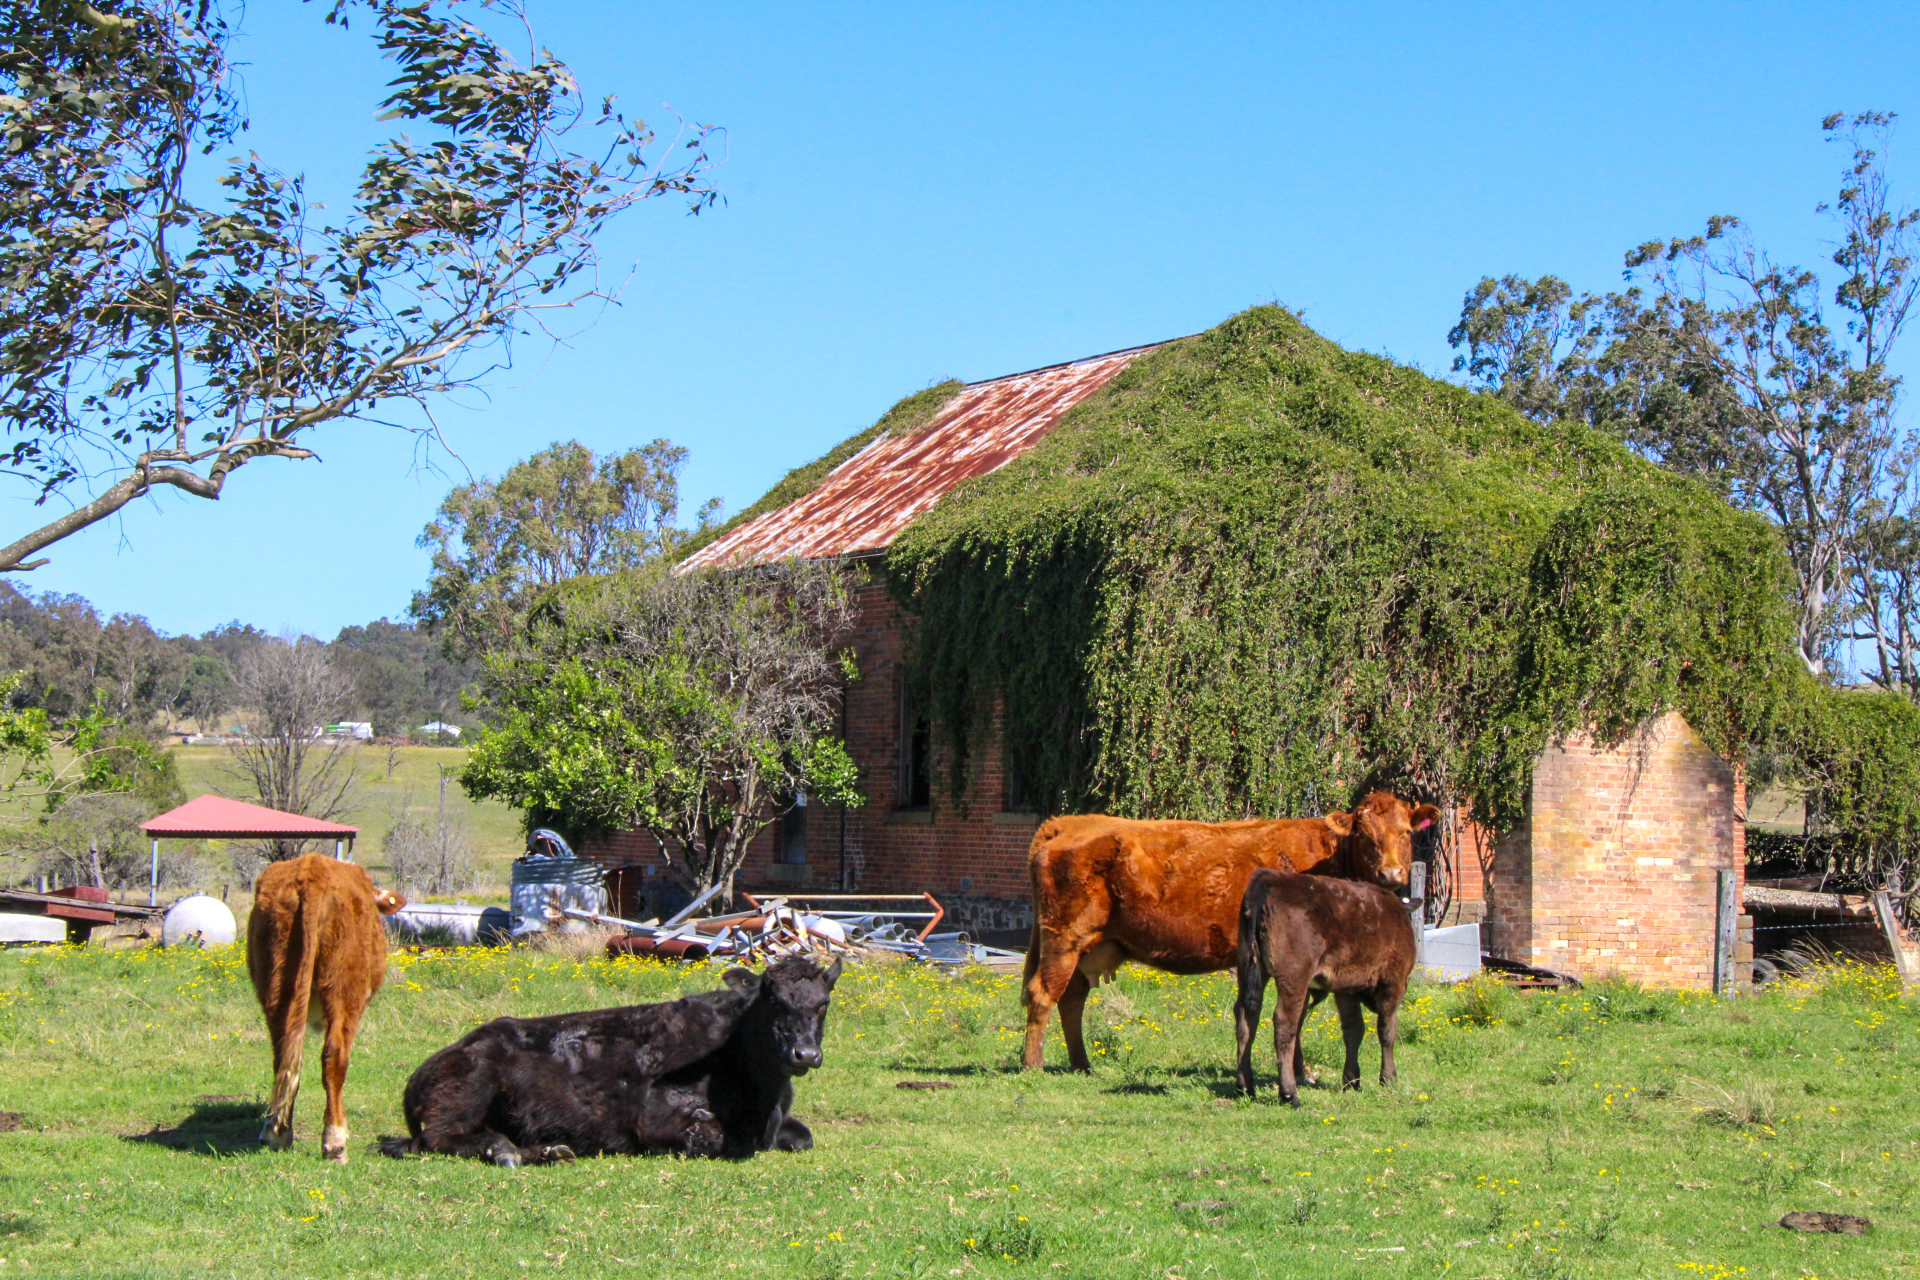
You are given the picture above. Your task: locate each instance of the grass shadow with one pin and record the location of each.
(216, 1127)
(17, 1224)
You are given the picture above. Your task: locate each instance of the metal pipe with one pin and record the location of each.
(153, 884)
(598, 918)
(705, 897)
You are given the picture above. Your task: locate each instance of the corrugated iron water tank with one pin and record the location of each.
(541, 887)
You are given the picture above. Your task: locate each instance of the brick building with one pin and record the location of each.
(1614, 870)
(908, 837)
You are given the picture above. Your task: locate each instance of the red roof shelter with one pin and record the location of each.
(213, 817)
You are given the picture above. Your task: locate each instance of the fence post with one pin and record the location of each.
(1417, 907)
(1725, 934)
(1890, 927)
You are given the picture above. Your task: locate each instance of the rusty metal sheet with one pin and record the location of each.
(866, 501)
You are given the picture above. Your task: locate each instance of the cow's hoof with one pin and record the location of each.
(506, 1157)
(276, 1139)
(333, 1143)
(557, 1154)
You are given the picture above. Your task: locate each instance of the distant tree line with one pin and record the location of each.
(75, 661)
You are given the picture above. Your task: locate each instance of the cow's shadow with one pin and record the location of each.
(216, 1126)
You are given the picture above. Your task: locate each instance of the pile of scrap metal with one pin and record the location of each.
(821, 924)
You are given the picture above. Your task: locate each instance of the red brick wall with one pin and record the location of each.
(1614, 869)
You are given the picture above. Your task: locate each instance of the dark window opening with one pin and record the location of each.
(1016, 792)
(915, 784)
(791, 837)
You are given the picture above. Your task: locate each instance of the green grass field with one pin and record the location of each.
(1608, 1133)
(377, 799)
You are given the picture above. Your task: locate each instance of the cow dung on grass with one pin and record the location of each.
(1817, 1223)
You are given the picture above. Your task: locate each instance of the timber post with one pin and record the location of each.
(1417, 908)
(1726, 934)
(1890, 928)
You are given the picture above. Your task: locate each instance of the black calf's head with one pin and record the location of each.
(790, 1010)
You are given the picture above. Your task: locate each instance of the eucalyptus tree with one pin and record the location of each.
(1719, 362)
(563, 513)
(152, 336)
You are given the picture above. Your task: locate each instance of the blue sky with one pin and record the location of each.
(920, 192)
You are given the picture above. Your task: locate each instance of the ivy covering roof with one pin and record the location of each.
(1257, 573)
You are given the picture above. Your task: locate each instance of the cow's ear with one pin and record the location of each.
(833, 972)
(1425, 816)
(388, 902)
(1340, 823)
(745, 981)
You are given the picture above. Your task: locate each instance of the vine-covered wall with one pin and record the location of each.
(1258, 573)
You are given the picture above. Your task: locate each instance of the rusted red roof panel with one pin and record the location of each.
(866, 501)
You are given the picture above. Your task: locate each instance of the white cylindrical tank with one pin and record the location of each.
(199, 919)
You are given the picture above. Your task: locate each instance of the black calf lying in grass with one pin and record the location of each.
(708, 1075)
(1312, 935)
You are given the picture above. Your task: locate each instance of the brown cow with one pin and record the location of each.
(315, 936)
(1313, 936)
(1167, 894)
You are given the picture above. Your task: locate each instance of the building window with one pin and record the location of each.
(914, 787)
(791, 837)
(1016, 792)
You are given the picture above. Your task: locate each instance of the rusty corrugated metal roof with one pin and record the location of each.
(866, 501)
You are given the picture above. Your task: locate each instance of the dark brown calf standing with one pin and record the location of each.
(1312, 935)
(315, 938)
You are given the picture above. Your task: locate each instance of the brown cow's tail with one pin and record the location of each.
(1033, 939)
(293, 1022)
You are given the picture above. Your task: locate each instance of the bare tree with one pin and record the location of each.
(293, 690)
(96, 839)
(430, 857)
